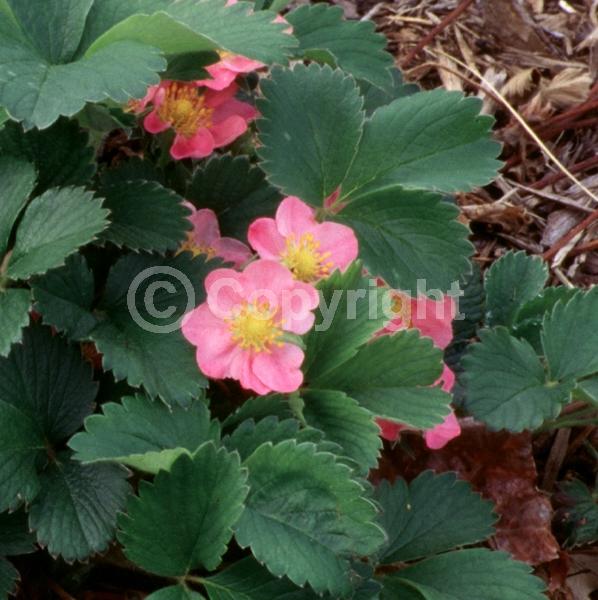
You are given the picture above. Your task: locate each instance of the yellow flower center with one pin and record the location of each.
(402, 308)
(190, 245)
(255, 327)
(183, 107)
(304, 260)
(224, 54)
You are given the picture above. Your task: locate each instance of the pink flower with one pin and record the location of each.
(225, 71)
(137, 106)
(202, 120)
(433, 319)
(311, 250)
(240, 330)
(205, 238)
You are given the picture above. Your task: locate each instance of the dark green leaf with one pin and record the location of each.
(55, 224)
(311, 126)
(74, 514)
(354, 45)
(506, 386)
(510, 282)
(580, 515)
(405, 236)
(15, 537)
(432, 514)
(374, 97)
(8, 578)
(144, 434)
(175, 592)
(14, 315)
(183, 520)
(260, 407)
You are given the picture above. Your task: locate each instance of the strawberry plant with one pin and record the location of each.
(230, 265)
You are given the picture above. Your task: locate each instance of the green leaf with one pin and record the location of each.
(310, 128)
(15, 537)
(145, 216)
(510, 282)
(580, 514)
(148, 349)
(8, 578)
(260, 407)
(466, 574)
(144, 434)
(248, 580)
(506, 386)
(64, 297)
(21, 445)
(432, 514)
(344, 422)
(48, 380)
(14, 315)
(175, 592)
(37, 90)
(183, 520)
(391, 377)
(374, 97)
(432, 140)
(348, 316)
(18, 180)
(235, 190)
(354, 45)
(61, 154)
(55, 224)
(589, 388)
(405, 236)
(189, 26)
(54, 27)
(303, 501)
(570, 336)
(74, 514)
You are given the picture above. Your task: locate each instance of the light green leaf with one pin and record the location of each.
(464, 575)
(14, 315)
(21, 446)
(391, 377)
(145, 216)
(510, 282)
(183, 520)
(189, 26)
(74, 514)
(8, 578)
(350, 313)
(37, 91)
(346, 423)
(64, 297)
(54, 27)
(570, 336)
(175, 592)
(310, 128)
(15, 537)
(432, 514)
(61, 154)
(354, 45)
(405, 236)
(48, 380)
(18, 180)
(589, 387)
(506, 386)
(144, 434)
(305, 502)
(132, 340)
(432, 140)
(55, 224)
(235, 190)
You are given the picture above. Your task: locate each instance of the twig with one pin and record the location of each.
(552, 197)
(591, 218)
(554, 177)
(556, 458)
(461, 8)
(588, 247)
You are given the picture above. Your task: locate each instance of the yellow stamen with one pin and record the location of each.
(190, 245)
(402, 307)
(255, 327)
(183, 107)
(303, 258)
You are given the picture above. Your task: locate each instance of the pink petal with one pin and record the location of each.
(297, 306)
(221, 77)
(265, 239)
(198, 146)
(442, 434)
(242, 369)
(214, 98)
(241, 64)
(235, 108)
(227, 290)
(205, 227)
(434, 318)
(270, 277)
(390, 430)
(447, 379)
(154, 124)
(294, 217)
(228, 131)
(340, 241)
(232, 250)
(280, 370)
